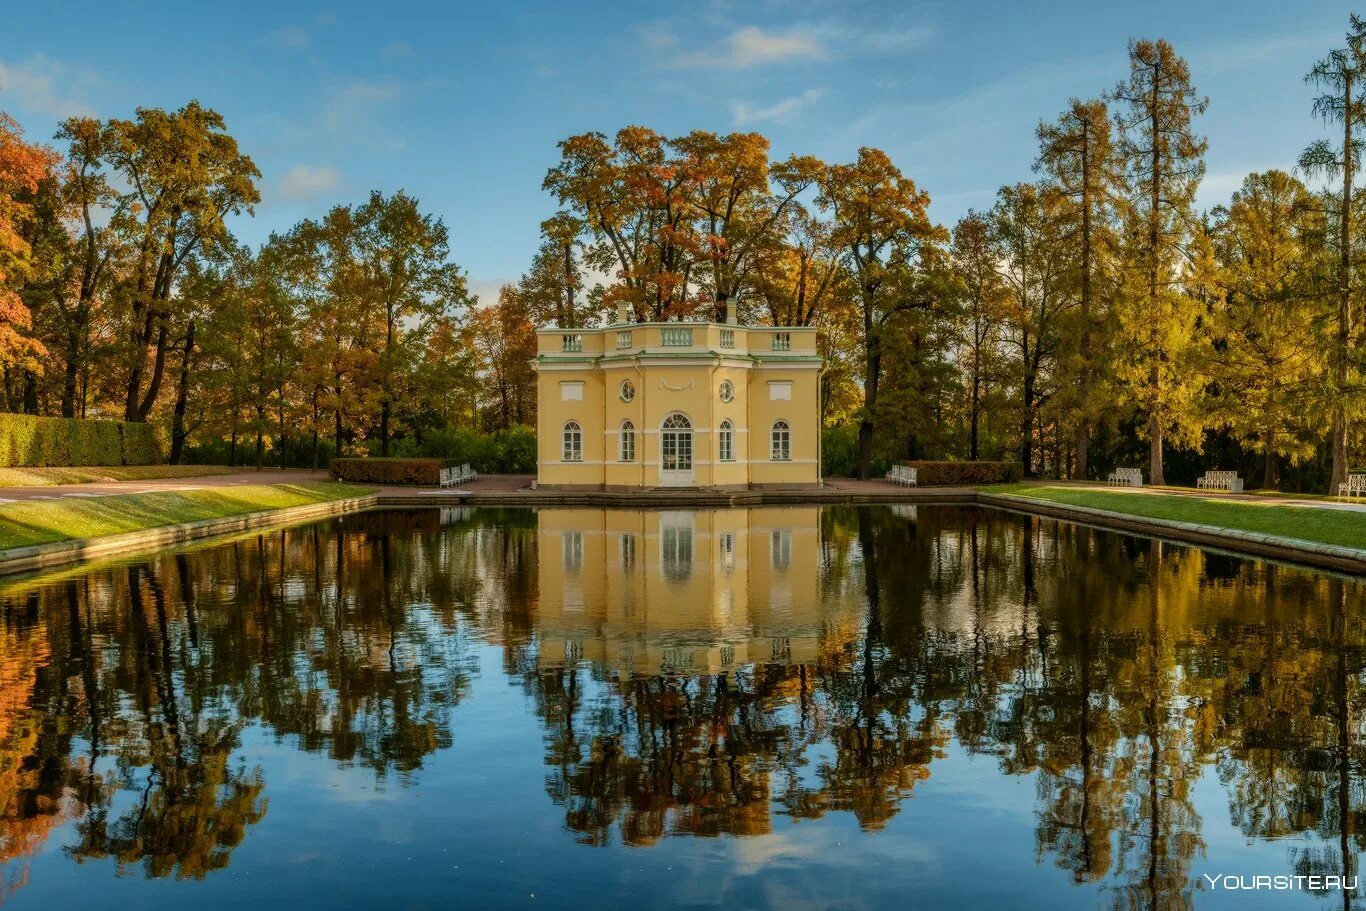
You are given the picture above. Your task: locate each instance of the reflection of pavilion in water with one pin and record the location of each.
(683, 592)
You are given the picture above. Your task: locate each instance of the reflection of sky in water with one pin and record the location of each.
(478, 750)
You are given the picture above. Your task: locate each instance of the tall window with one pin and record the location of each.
(573, 550)
(628, 442)
(780, 548)
(781, 450)
(573, 442)
(726, 444)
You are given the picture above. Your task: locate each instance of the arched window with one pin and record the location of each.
(726, 442)
(627, 452)
(781, 449)
(573, 442)
(677, 421)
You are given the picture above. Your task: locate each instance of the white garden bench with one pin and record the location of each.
(453, 476)
(1354, 486)
(902, 475)
(1220, 480)
(1125, 477)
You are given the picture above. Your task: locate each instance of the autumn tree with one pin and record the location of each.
(983, 294)
(1341, 79)
(1077, 153)
(1034, 264)
(402, 267)
(23, 166)
(1263, 353)
(504, 338)
(1164, 162)
(881, 224)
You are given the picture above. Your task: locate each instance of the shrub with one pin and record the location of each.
(510, 451)
(387, 471)
(141, 444)
(963, 474)
(29, 441)
(839, 451)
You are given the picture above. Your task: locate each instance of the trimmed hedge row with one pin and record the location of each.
(29, 441)
(387, 471)
(964, 474)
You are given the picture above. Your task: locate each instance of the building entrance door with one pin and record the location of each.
(675, 452)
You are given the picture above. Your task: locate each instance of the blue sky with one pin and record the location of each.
(462, 104)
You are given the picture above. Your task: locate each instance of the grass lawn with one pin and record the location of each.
(1308, 523)
(44, 521)
(47, 477)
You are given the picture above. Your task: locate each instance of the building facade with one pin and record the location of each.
(641, 405)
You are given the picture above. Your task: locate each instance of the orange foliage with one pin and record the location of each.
(22, 167)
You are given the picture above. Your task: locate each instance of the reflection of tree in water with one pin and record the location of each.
(139, 680)
(1113, 671)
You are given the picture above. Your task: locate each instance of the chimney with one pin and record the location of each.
(732, 319)
(623, 312)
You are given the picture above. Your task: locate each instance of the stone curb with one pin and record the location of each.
(1292, 550)
(58, 553)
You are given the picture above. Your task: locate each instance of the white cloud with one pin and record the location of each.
(355, 101)
(743, 113)
(395, 50)
(42, 85)
(290, 36)
(751, 46)
(307, 181)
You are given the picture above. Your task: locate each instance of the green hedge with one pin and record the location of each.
(510, 451)
(28, 441)
(387, 471)
(964, 474)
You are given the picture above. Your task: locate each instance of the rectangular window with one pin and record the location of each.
(571, 392)
(780, 391)
(782, 341)
(726, 447)
(727, 338)
(782, 443)
(623, 340)
(675, 337)
(572, 341)
(628, 443)
(573, 442)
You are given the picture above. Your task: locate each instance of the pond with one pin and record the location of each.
(850, 707)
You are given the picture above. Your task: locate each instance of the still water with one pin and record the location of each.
(900, 707)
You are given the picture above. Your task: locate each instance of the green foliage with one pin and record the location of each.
(965, 474)
(510, 451)
(387, 471)
(141, 444)
(839, 451)
(28, 441)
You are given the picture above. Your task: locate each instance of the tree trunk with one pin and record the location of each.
(872, 368)
(1156, 475)
(1082, 468)
(1340, 371)
(1027, 427)
(71, 377)
(384, 426)
(1269, 479)
(182, 394)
